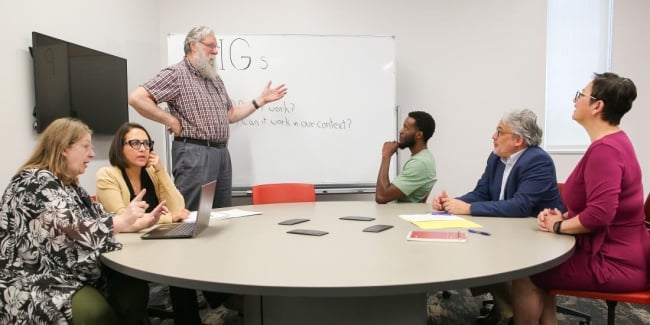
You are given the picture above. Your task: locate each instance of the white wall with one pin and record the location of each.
(128, 29)
(629, 58)
(466, 62)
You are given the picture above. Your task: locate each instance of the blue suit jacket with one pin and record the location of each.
(530, 188)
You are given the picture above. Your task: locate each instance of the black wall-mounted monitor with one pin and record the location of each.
(73, 80)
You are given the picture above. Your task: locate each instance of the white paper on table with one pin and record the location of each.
(224, 214)
(430, 217)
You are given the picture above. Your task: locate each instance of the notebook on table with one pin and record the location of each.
(188, 229)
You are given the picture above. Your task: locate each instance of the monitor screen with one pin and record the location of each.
(73, 80)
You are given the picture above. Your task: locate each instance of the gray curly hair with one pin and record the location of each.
(524, 124)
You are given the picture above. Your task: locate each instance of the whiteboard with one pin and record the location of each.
(330, 127)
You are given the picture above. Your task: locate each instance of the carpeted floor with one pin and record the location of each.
(460, 308)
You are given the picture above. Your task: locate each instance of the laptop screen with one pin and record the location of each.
(205, 206)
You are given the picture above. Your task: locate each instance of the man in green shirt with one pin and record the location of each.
(418, 176)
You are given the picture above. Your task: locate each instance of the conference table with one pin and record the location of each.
(346, 276)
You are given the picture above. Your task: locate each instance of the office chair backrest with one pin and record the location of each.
(283, 193)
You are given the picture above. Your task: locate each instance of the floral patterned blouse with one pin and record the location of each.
(51, 238)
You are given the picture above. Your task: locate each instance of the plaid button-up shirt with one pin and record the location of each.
(201, 105)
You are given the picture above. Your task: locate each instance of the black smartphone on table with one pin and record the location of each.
(357, 218)
(377, 228)
(292, 221)
(308, 232)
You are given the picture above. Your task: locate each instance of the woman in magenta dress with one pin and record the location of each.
(604, 197)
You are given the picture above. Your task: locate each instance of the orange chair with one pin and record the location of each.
(283, 193)
(612, 299)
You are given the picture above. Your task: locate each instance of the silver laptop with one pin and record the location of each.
(188, 229)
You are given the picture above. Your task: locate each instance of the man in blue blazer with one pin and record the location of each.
(519, 181)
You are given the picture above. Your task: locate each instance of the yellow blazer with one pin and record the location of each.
(114, 195)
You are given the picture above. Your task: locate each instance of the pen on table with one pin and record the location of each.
(474, 231)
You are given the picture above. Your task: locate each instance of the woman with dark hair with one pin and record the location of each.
(135, 166)
(604, 200)
(52, 235)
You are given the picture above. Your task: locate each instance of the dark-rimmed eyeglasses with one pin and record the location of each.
(580, 94)
(137, 144)
(500, 132)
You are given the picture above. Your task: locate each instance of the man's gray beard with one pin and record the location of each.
(204, 68)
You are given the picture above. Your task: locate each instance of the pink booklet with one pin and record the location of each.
(428, 235)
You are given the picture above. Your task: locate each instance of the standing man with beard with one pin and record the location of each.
(418, 176)
(199, 115)
(200, 112)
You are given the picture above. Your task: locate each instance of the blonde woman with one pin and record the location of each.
(52, 235)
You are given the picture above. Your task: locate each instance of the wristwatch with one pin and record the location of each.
(556, 226)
